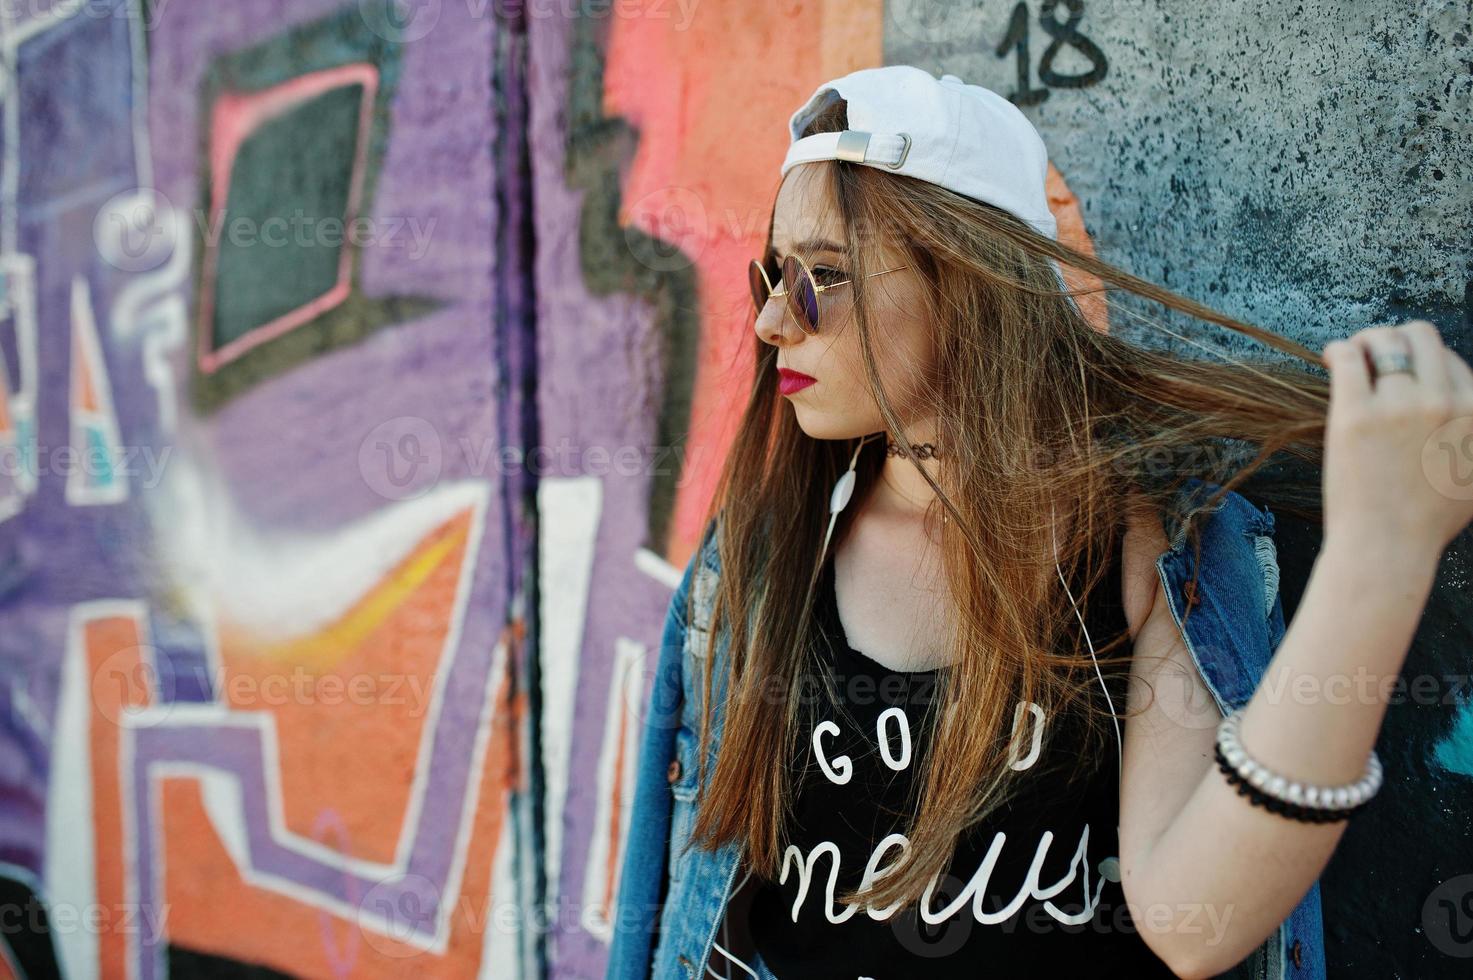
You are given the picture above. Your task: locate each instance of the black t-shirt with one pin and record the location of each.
(1071, 921)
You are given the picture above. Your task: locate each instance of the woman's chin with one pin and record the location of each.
(822, 425)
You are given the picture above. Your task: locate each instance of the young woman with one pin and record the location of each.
(962, 538)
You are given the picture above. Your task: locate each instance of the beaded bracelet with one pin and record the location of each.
(1298, 801)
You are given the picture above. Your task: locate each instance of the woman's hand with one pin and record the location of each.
(1398, 471)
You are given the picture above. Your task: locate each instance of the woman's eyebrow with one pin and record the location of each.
(813, 245)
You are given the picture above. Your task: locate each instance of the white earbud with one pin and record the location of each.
(843, 491)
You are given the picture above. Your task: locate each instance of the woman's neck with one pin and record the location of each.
(900, 489)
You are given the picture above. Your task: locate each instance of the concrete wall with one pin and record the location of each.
(1305, 167)
(311, 664)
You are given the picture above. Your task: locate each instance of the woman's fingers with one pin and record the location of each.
(1429, 360)
(1378, 343)
(1350, 377)
(1460, 377)
(1437, 372)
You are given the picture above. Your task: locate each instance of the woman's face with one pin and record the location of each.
(839, 405)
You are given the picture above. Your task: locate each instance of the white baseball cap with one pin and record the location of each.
(963, 137)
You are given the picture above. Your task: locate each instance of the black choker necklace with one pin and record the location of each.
(922, 450)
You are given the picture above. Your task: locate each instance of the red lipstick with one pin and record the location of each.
(790, 381)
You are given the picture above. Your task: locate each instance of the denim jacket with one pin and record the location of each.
(670, 903)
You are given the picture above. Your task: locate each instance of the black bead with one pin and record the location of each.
(921, 450)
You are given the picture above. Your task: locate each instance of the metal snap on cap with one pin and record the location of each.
(852, 146)
(904, 152)
(673, 773)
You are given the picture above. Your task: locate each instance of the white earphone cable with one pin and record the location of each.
(731, 957)
(842, 492)
(839, 499)
(1119, 740)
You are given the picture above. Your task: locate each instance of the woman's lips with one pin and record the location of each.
(790, 381)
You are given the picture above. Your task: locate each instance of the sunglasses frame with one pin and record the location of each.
(790, 300)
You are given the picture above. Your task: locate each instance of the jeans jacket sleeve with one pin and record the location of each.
(642, 872)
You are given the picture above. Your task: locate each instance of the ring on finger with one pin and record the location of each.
(1392, 362)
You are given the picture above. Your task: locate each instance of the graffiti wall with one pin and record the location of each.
(366, 367)
(264, 624)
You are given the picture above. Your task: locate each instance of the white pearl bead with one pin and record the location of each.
(1304, 794)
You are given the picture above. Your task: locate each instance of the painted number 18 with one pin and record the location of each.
(1062, 33)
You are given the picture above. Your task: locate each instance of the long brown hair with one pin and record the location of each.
(1039, 414)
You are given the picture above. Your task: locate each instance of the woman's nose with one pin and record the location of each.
(775, 324)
